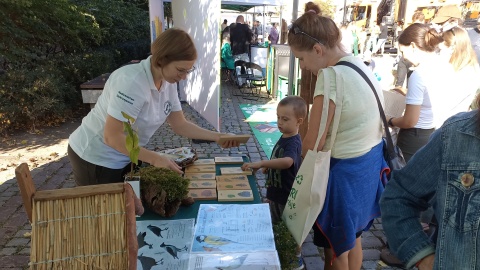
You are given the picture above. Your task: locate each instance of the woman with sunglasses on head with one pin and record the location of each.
(357, 165)
(430, 88)
(147, 92)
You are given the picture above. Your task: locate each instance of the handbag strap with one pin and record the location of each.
(390, 149)
(326, 103)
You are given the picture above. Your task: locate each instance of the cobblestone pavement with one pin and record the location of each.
(51, 169)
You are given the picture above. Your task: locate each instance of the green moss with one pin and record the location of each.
(174, 184)
(286, 246)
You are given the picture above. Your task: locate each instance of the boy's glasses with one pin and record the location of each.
(296, 30)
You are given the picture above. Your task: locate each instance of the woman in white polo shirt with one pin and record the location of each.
(430, 88)
(146, 91)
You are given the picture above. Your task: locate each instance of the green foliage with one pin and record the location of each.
(327, 7)
(131, 141)
(175, 186)
(34, 97)
(286, 246)
(50, 47)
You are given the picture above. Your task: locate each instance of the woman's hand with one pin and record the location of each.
(164, 162)
(230, 143)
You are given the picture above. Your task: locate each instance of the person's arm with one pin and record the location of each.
(275, 164)
(314, 124)
(114, 137)
(409, 118)
(185, 128)
(409, 192)
(414, 100)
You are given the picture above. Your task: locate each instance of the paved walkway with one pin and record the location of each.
(54, 172)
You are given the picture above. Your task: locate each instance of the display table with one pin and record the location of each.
(186, 212)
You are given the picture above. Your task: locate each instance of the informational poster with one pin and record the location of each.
(233, 228)
(164, 244)
(263, 260)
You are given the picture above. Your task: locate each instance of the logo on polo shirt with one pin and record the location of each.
(167, 108)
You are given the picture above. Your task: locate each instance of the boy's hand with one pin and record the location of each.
(255, 166)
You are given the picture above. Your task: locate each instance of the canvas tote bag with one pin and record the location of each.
(307, 196)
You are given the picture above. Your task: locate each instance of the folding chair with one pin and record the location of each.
(256, 79)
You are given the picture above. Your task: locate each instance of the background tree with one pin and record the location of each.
(49, 47)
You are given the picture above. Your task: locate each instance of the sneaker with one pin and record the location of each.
(297, 265)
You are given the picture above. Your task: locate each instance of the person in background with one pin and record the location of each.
(372, 40)
(224, 24)
(362, 39)
(459, 52)
(429, 88)
(347, 39)
(357, 163)
(283, 36)
(240, 37)
(403, 65)
(474, 35)
(445, 175)
(147, 92)
(285, 161)
(447, 17)
(273, 36)
(382, 38)
(226, 54)
(258, 31)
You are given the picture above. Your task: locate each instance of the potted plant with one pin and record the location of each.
(131, 142)
(161, 190)
(286, 245)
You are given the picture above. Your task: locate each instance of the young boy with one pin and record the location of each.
(286, 157)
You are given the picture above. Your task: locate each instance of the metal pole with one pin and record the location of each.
(263, 24)
(344, 11)
(291, 70)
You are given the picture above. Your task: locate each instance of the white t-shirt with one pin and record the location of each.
(360, 127)
(431, 87)
(129, 89)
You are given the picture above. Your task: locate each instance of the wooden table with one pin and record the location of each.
(92, 89)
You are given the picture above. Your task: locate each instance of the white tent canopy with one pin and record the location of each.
(254, 2)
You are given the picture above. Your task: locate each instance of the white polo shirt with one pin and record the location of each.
(129, 89)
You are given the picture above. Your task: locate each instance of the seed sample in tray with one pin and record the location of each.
(229, 160)
(232, 178)
(233, 185)
(202, 184)
(235, 195)
(200, 176)
(200, 169)
(203, 194)
(234, 170)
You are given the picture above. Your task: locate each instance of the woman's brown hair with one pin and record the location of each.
(173, 45)
(463, 54)
(321, 28)
(310, 6)
(424, 37)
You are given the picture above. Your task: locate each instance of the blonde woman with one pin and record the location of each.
(458, 47)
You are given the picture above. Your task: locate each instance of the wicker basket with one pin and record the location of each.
(80, 228)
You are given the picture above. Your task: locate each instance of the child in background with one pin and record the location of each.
(285, 160)
(226, 55)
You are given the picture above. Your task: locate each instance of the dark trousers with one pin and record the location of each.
(86, 173)
(411, 139)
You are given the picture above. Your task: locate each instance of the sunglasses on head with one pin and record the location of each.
(297, 30)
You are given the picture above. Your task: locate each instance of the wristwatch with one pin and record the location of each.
(390, 122)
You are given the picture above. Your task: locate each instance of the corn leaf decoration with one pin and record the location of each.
(131, 142)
